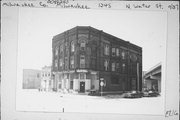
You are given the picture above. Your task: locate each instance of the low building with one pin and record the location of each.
(46, 81)
(31, 79)
(152, 78)
(83, 57)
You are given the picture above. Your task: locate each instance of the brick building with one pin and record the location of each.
(83, 55)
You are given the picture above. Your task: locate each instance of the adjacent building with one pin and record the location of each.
(31, 79)
(84, 56)
(46, 81)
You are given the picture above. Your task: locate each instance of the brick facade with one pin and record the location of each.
(83, 55)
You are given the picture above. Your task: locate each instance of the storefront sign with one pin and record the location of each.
(81, 71)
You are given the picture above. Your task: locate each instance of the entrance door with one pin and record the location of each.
(82, 86)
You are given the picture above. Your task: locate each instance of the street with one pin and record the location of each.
(55, 102)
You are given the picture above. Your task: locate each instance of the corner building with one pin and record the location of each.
(83, 55)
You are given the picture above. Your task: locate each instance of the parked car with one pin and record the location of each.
(150, 94)
(153, 94)
(133, 94)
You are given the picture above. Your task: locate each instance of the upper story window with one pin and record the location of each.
(56, 63)
(82, 44)
(82, 61)
(72, 61)
(66, 63)
(113, 51)
(60, 62)
(56, 51)
(123, 67)
(117, 52)
(106, 49)
(72, 46)
(123, 54)
(117, 66)
(61, 48)
(106, 65)
(113, 65)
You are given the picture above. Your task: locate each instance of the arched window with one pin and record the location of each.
(72, 46)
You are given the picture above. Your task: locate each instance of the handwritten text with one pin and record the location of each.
(170, 113)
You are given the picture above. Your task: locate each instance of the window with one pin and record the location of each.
(106, 49)
(82, 44)
(113, 66)
(106, 64)
(82, 61)
(123, 67)
(61, 48)
(123, 55)
(113, 51)
(56, 63)
(72, 46)
(117, 52)
(60, 62)
(66, 63)
(72, 62)
(82, 75)
(117, 67)
(56, 51)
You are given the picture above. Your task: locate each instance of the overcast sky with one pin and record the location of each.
(37, 27)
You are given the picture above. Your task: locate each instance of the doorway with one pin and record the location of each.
(82, 86)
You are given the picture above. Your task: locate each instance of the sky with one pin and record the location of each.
(37, 26)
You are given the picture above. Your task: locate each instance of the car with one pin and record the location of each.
(153, 94)
(150, 93)
(133, 94)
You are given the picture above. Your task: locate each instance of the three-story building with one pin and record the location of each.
(83, 55)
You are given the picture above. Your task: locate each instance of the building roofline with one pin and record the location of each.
(89, 27)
